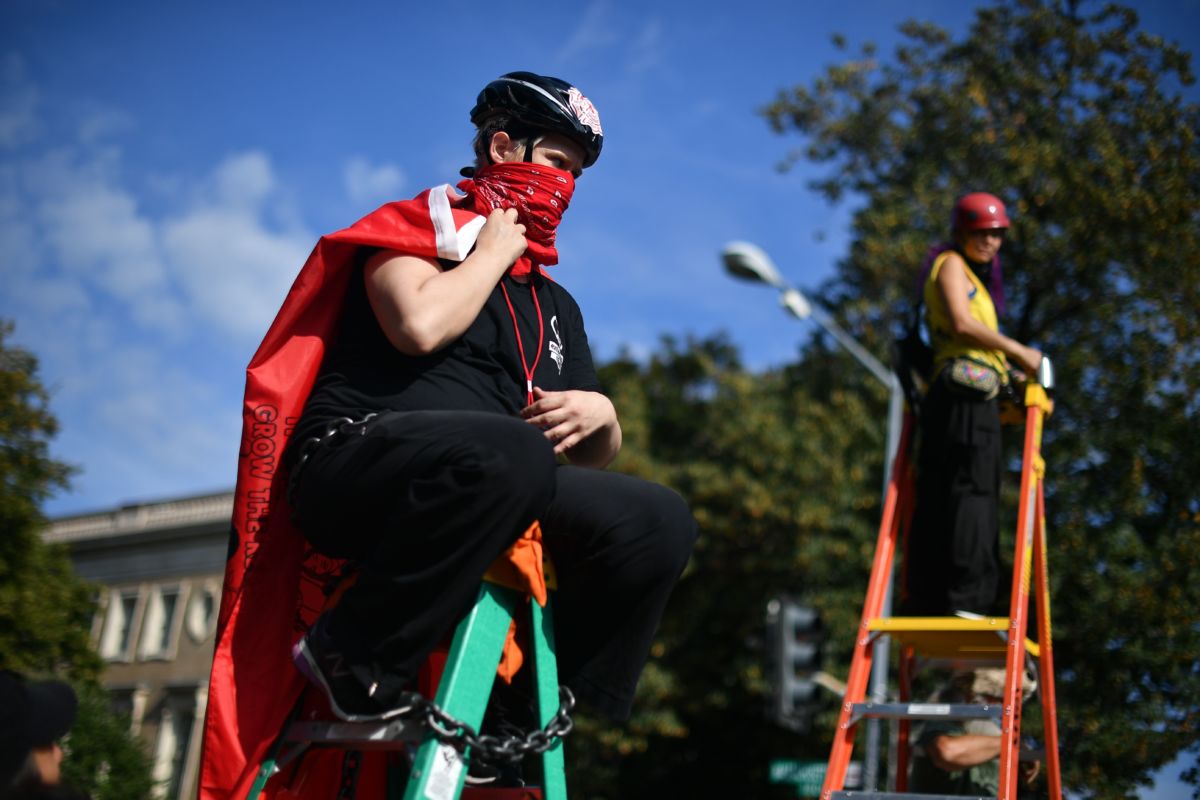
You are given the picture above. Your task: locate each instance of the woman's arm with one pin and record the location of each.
(954, 285)
(422, 307)
(954, 753)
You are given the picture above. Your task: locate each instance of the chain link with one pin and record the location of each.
(484, 747)
(501, 749)
(343, 426)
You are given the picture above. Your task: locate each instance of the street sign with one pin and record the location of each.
(809, 775)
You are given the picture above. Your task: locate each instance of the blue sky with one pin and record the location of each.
(165, 169)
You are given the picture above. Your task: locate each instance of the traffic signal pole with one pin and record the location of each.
(879, 659)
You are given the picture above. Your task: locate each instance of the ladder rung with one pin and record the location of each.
(951, 637)
(391, 735)
(933, 624)
(954, 711)
(904, 796)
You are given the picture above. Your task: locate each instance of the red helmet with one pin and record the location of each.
(978, 211)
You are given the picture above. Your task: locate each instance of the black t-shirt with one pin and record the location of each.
(480, 371)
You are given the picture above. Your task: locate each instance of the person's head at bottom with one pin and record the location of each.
(34, 716)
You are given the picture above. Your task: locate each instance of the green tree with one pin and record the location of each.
(45, 609)
(1075, 117)
(783, 471)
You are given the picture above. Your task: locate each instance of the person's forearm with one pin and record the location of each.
(975, 332)
(954, 753)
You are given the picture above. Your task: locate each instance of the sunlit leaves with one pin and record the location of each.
(1073, 116)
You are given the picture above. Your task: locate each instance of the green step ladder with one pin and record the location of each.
(439, 770)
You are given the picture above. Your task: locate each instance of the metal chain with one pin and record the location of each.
(501, 749)
(343, 426)
(484, 747)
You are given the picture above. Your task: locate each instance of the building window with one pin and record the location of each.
(202, 611)
(100, 599)
(161, 626)
(117, 639)
(129, 702)
(175, 751)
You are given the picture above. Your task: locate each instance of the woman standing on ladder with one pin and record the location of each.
(953, 558)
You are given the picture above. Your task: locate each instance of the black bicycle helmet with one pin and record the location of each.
(545, 104)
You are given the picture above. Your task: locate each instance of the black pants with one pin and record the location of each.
(954, 546)
(426, 501)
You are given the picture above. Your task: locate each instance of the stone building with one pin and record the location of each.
(160, 566)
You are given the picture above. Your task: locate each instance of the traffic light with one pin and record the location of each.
(796, 641)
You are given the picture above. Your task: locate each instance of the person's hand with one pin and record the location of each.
(1029, 771)
(567, 418)
(1028, 359)
(502, 235)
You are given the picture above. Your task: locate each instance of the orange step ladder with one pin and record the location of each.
(954, 640)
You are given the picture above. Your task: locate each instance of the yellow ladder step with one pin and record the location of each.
(951, 637)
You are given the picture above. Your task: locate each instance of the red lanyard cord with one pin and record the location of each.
(521, 347)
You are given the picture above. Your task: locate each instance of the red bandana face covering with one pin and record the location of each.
(540, 195)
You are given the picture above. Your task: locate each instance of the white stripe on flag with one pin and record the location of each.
(453, 243)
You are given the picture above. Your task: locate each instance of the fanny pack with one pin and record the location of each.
(971, 379)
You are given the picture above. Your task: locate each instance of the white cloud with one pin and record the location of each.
(141, 311)
(593, 33)
(233, 266)
(600, 36)
(103, 124)
(18, 103)
(235, 272)
(93, 232)
(96, 230)
(244, 181)
(368, 184)
(645, 51)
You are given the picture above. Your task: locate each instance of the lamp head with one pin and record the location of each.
(748, 262)
(795, 303)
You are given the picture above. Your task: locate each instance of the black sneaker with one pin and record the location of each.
(509, 715)
(316, 656)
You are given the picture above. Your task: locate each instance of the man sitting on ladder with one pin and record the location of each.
(456, 404)
(465, 375)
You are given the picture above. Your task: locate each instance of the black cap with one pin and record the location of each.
(32, 714)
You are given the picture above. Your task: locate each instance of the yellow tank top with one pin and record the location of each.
(941, 333)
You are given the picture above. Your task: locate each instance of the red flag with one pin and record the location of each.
(275, 584)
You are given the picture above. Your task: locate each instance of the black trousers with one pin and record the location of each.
(425, 501)
(953, 559)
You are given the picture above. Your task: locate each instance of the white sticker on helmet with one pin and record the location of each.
(584, 110)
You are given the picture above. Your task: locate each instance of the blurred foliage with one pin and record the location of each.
(100, 755)
(46, 610)
(783, 470)
(1074, 117)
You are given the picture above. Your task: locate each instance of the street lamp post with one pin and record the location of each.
(748, 262)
